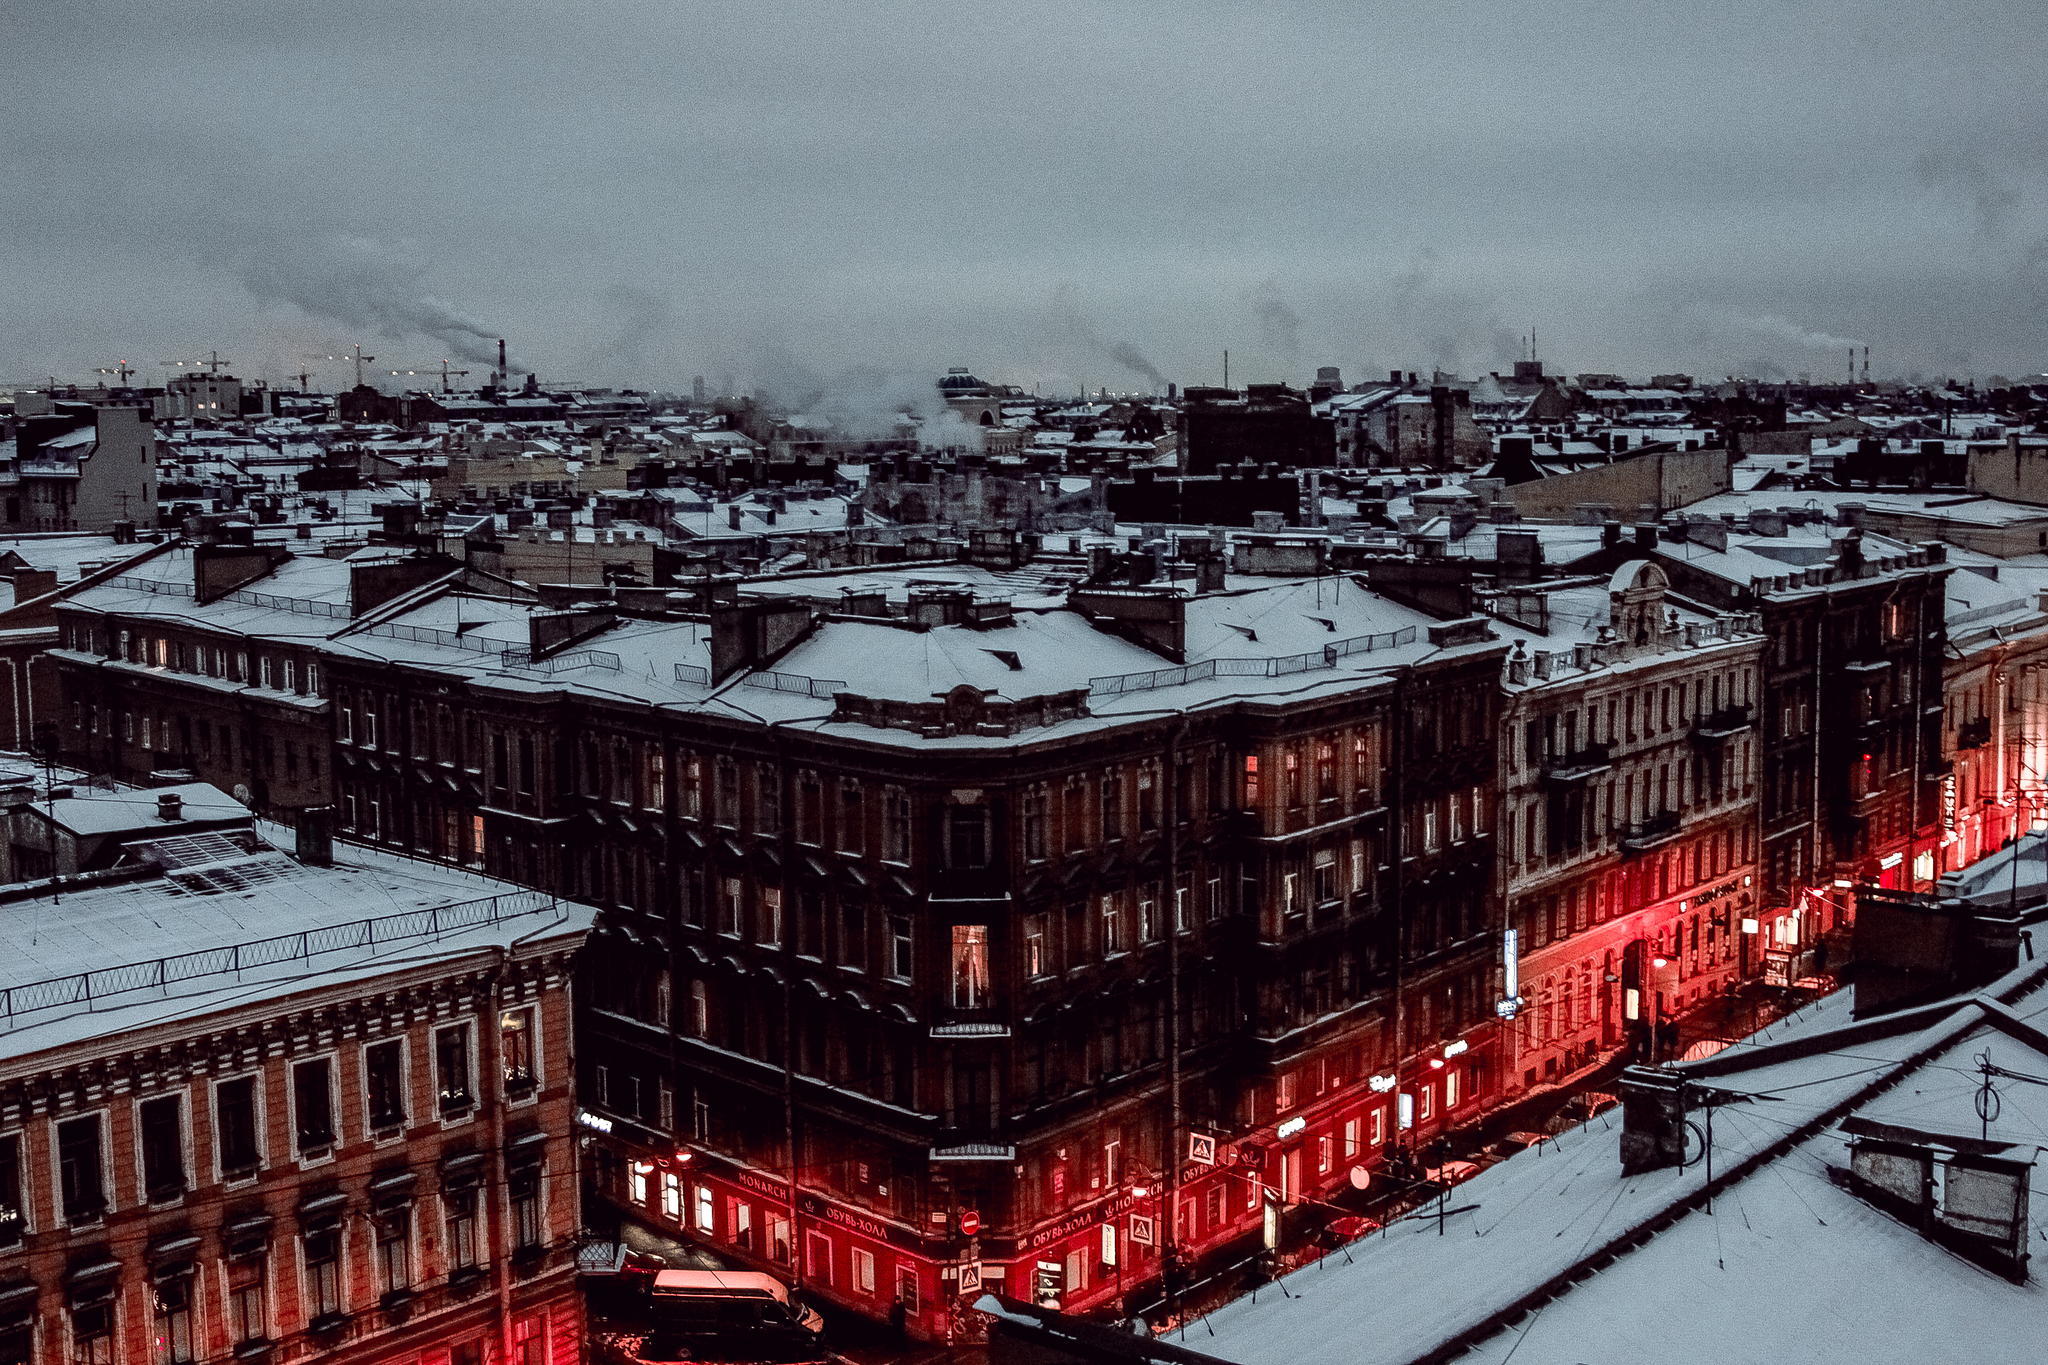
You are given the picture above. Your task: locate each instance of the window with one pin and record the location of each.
(384, 1065)
(1112, 806)
(853, 818)
(700, 1009)
(1251, 781)
(173, 1321)
(394, 1250)
(1035, 803)
(1325, 874)
(896, 826)
(729, 904)
(1112, 925)
(967, 835)
(523, 1189)
(702, 1215)
(771, 917)
(459, 1207)
(529, 1343)
(313, 1104)
(451, 1068)
(1037, 961)
(672, 1195)
(81, 1179)
(162, 1125)
(515, 1049)
(323, 1273)
(235, 1126)
(92, 1334)
(900, 961)
(863, 1270)
(248, 1299)
(13, 1213)
(970, 966)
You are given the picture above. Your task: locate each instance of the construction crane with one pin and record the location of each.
(213, 365)
(445, 373)
(356, 356)
(122, 369)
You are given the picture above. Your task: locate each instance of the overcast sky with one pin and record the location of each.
(1050, 193)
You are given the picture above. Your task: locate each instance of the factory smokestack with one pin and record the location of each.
(504, 375)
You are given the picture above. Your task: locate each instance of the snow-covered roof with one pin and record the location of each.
(220, 892)
(1789, 1265)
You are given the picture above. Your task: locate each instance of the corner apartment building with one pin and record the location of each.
(1022, 947)
(257, 1109)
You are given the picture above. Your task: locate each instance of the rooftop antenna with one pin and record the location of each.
(1866, 364)
(1226, 368)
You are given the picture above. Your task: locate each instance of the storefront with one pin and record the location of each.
(863, 1261)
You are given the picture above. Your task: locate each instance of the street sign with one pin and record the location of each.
(1202, 1149)
(970, 1277)
(1141, 1229)
(1360, 1177)
(970, 1222)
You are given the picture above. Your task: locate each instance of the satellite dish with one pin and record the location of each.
(1360, 1177)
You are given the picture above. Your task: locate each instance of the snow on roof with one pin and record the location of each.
(305, 595)
(423, 912)
(1741, 1278)
(128, 810)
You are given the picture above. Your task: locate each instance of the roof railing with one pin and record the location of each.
(90, 989)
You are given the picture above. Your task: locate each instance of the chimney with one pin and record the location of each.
(315, 844)
(170, 806)
(1610, 534)
(1646, 536)
(1653, 1130)
(732, 517)
(1209, 575)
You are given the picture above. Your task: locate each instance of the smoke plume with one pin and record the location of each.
(369, 285)
(1071, 323)
(1279, 325)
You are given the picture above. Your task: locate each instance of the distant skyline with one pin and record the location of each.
(852, 198)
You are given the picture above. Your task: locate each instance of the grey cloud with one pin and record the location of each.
(636, 192)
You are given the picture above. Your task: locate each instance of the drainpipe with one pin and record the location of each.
(495, 1175)
(1170, 800)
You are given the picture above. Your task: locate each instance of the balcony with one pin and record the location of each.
(1719, 726)
(1577, 766)
(1644, 835)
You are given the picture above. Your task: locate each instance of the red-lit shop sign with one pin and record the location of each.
(874, 1228)
(759, 1184)
(1075, 1222)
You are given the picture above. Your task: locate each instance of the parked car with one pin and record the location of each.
(1451, 1172)
(721, 1299)
(1520, 1140)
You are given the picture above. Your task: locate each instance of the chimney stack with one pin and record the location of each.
(170, 806)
